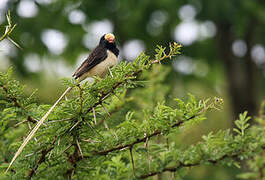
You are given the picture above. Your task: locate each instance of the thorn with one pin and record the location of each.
(16, 44)
(78, 145)
(74, 125)
(90, 141)
(94, 130)
(60, 120)
(117, 97)
(59, 142)
(167, 143)
(29, 155)
(106, 125)
(110, 72)
(115, 134)
(29, 126)
(94, 113)
(148, 155)
(66, 149)
(106, 111)
(106, 96)
(44, 124)
(20, 123)
(50, 154)
(7, 28)
(30, 129)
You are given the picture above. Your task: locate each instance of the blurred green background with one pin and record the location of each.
(223, 49)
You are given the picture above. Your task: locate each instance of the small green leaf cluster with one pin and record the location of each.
(256, 165)
(15, 107)
(242, 124)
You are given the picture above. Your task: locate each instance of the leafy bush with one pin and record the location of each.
(107, 130)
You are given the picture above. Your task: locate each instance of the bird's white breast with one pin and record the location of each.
(102, 68)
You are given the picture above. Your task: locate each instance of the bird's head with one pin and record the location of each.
(106, 39)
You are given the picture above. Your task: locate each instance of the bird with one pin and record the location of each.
(103, 57)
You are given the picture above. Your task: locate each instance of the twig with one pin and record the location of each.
(8, 31)
(9, 27)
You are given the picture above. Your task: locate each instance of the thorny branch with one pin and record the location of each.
(182, 165)
(42, 159)
(105, 94)
(15, 101)
(120, 147)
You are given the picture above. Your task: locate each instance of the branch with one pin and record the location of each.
(120, 147)
(173, 51)
(181, 165)
(104, 95)
(41, 159)
(169, 169)
(14, 99)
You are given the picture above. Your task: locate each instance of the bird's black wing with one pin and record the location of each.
(98, 55)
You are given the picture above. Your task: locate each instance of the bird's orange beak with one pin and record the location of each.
(110, 38)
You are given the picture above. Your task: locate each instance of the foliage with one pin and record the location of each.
(103, 131)
(214, 66)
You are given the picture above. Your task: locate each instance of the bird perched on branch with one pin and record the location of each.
(104, 56)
